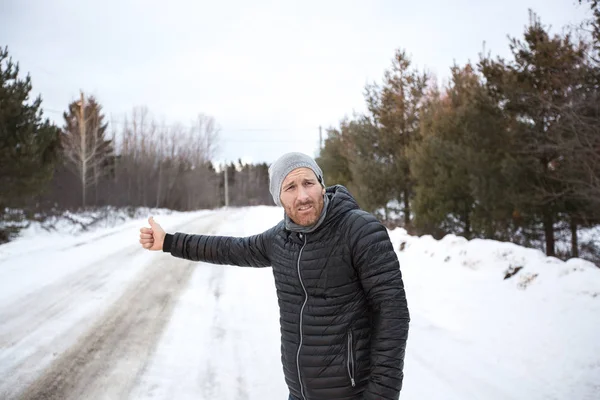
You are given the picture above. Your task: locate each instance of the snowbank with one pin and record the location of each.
(540, 324)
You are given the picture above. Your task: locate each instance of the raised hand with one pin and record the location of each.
(152, 238)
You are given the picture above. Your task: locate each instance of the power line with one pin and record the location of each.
(224, 139)
(122, 122)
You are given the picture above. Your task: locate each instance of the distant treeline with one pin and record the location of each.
(46, 169)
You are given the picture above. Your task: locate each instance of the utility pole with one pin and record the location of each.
(226, 187)
(320, 140)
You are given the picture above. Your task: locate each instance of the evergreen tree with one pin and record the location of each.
(333, 159)
(531, 89)
(578, 141)
(484, 145)
(456, 164)
(396, 108)
(350, 158)
(440, 168)
(28, 144)
(372, 174)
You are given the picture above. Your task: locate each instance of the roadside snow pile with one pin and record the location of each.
(522, 268)
(90, 220)
(69, 229)
(515, 311)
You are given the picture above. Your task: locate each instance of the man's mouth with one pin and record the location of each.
(305, 207)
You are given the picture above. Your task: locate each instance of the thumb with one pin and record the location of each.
(151, 222)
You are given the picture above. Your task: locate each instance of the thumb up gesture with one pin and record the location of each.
(152, 238)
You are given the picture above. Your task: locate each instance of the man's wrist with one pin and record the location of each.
(167, 243)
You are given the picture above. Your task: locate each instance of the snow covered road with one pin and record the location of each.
(95, 316)
(90, 330)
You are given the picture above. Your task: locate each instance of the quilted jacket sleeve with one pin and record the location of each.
(379, 271)
(251, 251)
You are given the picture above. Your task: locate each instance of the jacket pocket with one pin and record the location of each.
(350, 358)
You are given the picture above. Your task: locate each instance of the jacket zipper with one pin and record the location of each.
(350, 361)
(301, 315)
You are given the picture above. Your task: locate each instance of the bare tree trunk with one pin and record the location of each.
(574, 244)
(129, 201)
(226, 175)
(406, 198)
(96, 180)
(116, 165)
(467, 220)
(549, 231)
(95, 169)
(158, 190)
(83, 148)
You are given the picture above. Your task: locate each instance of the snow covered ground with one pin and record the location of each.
(93, 315)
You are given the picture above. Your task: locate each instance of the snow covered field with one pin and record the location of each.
(93, 315)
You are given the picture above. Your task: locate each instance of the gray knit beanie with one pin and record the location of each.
(286, 164)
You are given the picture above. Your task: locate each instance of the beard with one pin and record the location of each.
(305, 217)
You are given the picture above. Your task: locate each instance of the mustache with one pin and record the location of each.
(305, 203)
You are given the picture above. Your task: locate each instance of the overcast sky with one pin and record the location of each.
(267, 71)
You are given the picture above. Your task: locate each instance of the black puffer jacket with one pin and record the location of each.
(344, 316)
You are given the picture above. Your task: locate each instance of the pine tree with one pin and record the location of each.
(440, 169)
(456, 162)
(532, 89)
(372, 174)
(396, 107)
(28, 144)
(577, 169)
(349, 158)
(333, 159)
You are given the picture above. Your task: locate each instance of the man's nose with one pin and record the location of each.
(302, 194)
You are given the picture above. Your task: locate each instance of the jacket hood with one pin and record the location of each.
(340, 202)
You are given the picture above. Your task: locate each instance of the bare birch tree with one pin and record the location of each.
(84, 144)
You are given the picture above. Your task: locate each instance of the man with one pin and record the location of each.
(343, 311)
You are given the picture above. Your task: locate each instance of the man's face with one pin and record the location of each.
(302, 196)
